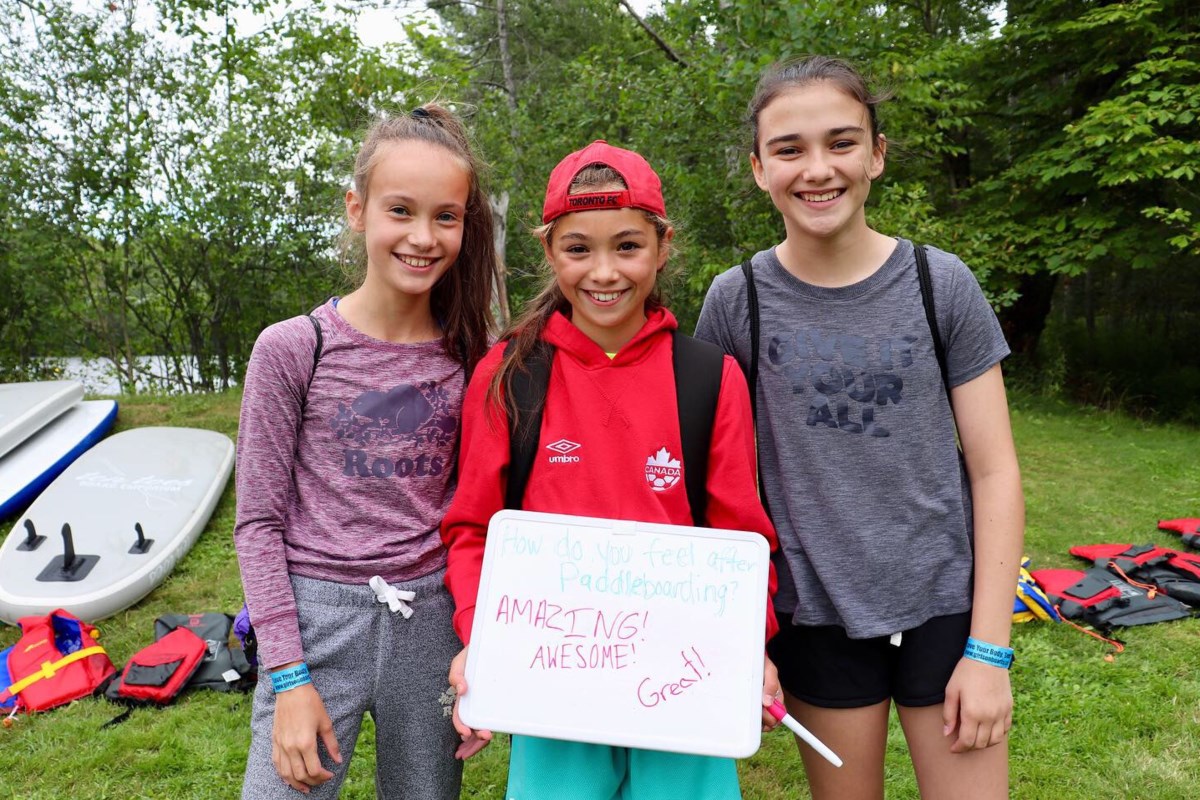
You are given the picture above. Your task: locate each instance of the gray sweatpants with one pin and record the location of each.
(364, 658)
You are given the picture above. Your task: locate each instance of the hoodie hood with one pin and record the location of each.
(563, 334)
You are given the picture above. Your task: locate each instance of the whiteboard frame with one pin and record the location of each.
(552, 717)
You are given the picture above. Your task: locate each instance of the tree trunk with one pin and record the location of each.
(499, 202)
(1024, 321)
(499, 205)
(1089, 304)
(510, 85)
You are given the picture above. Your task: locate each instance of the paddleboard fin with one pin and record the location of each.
(68, 548)
(142, 545)
(68, 567)
(32, 539)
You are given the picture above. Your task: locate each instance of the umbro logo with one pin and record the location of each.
(563, 447)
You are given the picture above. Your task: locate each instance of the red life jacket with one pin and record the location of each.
(158, 673)
(55, 661)
(1103, 600)
(1188, 529)
(1169, 571)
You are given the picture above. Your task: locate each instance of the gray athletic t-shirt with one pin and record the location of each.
(856, 437)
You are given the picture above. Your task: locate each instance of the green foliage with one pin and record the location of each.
(163, 187)
(1101, 160)
(175, 174)
(597, 75)
(1142, 367)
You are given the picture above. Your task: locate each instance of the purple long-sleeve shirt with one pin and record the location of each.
(359, 485)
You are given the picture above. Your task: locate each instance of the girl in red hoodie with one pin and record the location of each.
(611, 393)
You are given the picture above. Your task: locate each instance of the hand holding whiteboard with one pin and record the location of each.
(622, 633)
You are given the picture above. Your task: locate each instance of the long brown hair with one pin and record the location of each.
(461, 300)
(525, 331)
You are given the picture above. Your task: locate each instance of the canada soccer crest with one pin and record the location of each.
(662, 471)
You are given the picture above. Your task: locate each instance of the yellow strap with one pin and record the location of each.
(50, 667)
(1033, 606)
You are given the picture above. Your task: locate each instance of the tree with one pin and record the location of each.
(187, 185)
(1093, 165)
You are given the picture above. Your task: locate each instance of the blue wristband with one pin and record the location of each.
(993, 654)
(290, 678)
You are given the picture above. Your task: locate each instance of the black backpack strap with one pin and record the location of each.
(465, 360)
(319, 347)
(752, 302)
(931, 316)
(467, 368)
(752, 377)
(698, 368)
(317, 350)
(528, 389)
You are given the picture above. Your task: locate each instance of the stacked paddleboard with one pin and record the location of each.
(113, 525)
(29, 467)
(44, 426)
(26, 408)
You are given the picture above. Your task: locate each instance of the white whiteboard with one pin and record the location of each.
(620, 633)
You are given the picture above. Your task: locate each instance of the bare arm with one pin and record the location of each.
(979, 696)
(981, 412)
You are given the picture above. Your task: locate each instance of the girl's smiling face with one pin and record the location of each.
(816, 159)
(606, 263)
(411, 217)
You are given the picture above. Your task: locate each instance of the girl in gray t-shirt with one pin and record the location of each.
(897, 557)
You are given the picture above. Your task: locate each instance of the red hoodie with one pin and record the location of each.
(617, 412)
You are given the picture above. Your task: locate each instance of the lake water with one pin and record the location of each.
(98, 375)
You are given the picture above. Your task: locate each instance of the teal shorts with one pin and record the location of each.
(551, 769)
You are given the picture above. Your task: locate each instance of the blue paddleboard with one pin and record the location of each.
(29, 468)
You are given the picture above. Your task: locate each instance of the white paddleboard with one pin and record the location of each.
(165, 480)
(30, 467)
(25, 408)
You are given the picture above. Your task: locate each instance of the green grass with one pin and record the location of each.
(1084, 727)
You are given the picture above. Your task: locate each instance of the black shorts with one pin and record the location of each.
(823, 667)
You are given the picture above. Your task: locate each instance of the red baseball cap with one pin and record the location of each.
(644, 188)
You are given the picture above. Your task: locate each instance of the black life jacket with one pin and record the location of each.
(223, 668)
(1171, 572)
(1104, 601)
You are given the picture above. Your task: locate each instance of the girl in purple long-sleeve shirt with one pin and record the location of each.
(346, 452)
